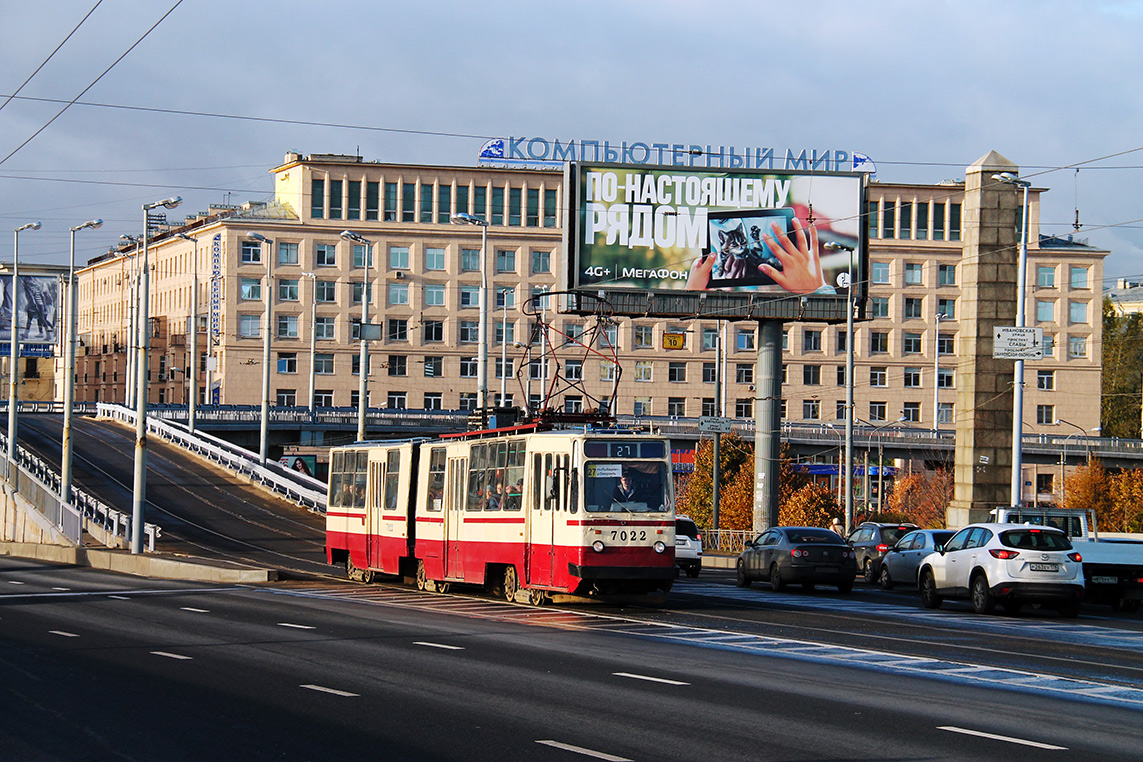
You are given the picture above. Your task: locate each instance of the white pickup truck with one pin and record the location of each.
(1112, 567)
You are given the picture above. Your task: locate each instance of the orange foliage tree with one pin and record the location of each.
(922, 498)
(1089, 488)
(1126, 512)
(695, 495)
(811, 505)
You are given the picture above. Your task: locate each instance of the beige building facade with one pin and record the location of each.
(422, 282)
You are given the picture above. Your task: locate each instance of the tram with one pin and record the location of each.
(524, 511)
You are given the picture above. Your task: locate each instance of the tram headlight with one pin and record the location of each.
(660, 547)
(597, 546)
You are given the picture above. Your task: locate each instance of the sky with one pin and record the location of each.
(923, 89)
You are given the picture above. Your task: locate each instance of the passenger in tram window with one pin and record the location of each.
(345, 497)
(624, 491)
(512, 500)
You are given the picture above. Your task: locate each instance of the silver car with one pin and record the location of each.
(900, 564)
(688, 546)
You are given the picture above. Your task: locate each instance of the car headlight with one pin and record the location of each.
(597, 546)
(660, 547)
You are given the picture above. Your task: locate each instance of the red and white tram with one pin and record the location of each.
(524, 512)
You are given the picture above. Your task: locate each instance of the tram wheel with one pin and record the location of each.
(537, 597)
(352, 571)
(422, 577)
(511, 583)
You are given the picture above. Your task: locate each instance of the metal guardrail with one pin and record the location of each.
(732, 541)
(296, 487)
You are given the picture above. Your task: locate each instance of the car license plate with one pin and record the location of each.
(1044, 567)
(826, 569)
(1105, 580)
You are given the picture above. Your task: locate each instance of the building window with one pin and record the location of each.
(879, 273)
(944, 412)
(744, 340)
(372, 199)
(708, 373)
(954, 222)
(877, 411)
(811, 341)
(841, 344)
(353, 200)
(397, 400)
(505, 332)
(913, 275)
(912, 378)
(357, 289)
(677, 372)
(286, 398)
(922, 220)
(390, 212)
(398, 294)
(324, 328)
(434, 259)
(317, 197)
(946, 378)
(642, 406)
(287, 289)
(643, 370)
(1045, 277)
(607, 371)
(469, 296)
(879, 306)
(947, 307)
(913, 308)
(946, 344)
(434, 401)
(573, 370)
(811, 410)
(888, 219)
(287, 326)
(469, 332)
(251, 289)
(538, 369)
(434, 366)
(677, 407)
(911, 412)
(505, 261)
(335, 199)
(469, 260)
(251, 252)
(444, 204)
(878, 376)
(708, 407)
(325, 291)
(872, 215)
(434, 295)
(811, 375)
(426, 203)
(1049, 345)
(287, 362)
(468, 367)
(743, 373)
(1045, 310)
(468, 399)
(905, 220)
(841, 375)
(398, 329)
(878, 342)
(1077, 312)
(514, 203)
(398, 365)
(1046, 415)
(912, 343)
(461, 199)
(325, 255)
(938, 222)
(709, 339)
(946, 275)
(323, 364)
(744, 407)
(432, 331)
(505, 298)
(1077, 347)
(323, 397)
(287, 253)
(1046, 380)
(541, 261)
(644, 337)
(540, 300)
(398, 258)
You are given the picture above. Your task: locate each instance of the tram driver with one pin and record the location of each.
(624, 491)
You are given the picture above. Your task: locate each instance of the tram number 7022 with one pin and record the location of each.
(634, 535)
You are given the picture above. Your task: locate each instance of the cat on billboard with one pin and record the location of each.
(34, 316)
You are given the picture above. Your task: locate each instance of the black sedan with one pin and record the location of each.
(805, 555)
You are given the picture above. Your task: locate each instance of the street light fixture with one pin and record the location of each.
(69, 367)
(139, 490)
(937, 374)
(192, 373)
(464, 218)
(14, 347)
(850, 306)
(363, 363)
(264, 429)
(1018, 374)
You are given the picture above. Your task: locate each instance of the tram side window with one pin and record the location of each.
(573, 490)
(360, 474)
(392, 479)
(436, 479)
(513, 492)
(336, 469)
(347, 479)
(476, 479)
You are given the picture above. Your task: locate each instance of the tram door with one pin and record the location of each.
(374, 522)
(549, 472)
(453, 515)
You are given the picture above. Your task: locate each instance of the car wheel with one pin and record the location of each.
(740, 577)
(1069, 610)
(885, 580)
(693, 570)
(982, 600)
(777, 584)
(845, 587)
(867, 572)
(929, 597)
(1011, 607)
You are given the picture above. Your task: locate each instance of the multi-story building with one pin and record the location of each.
(421, 281)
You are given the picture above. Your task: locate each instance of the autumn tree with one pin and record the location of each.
(1126, 514)
(695, 495)
(811, 505)
(1122, 382)
(922, 497)
(1089, 488)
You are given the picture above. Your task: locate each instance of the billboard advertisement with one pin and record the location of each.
(775, 236)
(36, 315)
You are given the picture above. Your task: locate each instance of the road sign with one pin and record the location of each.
(714, 425)
(674, 341)
(1010, 343)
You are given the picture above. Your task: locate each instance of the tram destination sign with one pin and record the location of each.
(1012, 343)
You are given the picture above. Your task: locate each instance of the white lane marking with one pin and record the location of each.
(194, 610)
(296, 626)
(119, 597)
(445, 646)
(323, 689)
(14, 582)
(61, 633)
(61, 588)
(169, 655)
(585, 752)
(1007, 739)
(649, 679)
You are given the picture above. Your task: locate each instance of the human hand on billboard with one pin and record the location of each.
(699, 277)
(801, 271)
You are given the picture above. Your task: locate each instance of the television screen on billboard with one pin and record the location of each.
(36, 313)
(761, 235)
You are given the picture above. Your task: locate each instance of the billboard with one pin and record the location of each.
(756, 243)
(36, 315)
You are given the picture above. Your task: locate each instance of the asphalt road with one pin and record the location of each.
(98, 666)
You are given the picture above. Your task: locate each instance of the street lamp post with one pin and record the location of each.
(363, 364)
(14, 349)
(191, 374)
(937, 374)
(464, 218)
(139, 490)
(1018, 375)
(1064, 455)
(264, 429)
(504, 350)
(69, 367)
(850, 306)
(313, 335)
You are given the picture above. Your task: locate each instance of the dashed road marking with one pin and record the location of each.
(1006, 739)
(444, 646)
(63, 634)
(169, 655)
(296, 626)
(584, 752)
(333, 691)
(649, 679)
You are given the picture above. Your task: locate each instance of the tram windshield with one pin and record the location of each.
(630, 486)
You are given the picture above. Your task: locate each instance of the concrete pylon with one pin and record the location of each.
(984, 386)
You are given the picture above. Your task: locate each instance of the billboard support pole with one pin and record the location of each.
(767, 424)
(716, 468)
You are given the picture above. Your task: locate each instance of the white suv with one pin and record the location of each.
(1009, 564)
(688, 546)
